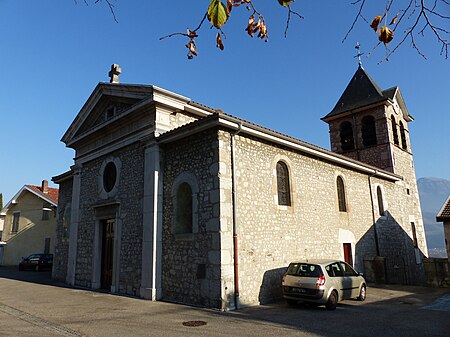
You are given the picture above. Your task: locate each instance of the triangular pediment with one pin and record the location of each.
(106, 102)
(361, 91)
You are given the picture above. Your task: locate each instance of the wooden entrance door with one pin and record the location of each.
(348, 256)
(107, 253)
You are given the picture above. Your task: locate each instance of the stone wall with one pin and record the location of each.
(191, 262)
(62, 230)
(271, 236)
(129, 196)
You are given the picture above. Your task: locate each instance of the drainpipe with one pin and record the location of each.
(235, 236)
(373, 214)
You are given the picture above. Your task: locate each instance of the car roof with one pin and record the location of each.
(317, 261)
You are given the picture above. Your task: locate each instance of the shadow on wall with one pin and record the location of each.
(399, 261)
(270, 289)
(27, 241)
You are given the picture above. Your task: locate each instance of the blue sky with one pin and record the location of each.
(54, 52)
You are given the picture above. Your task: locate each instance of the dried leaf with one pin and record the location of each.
(376, 22)
(191, 46)
(262, 30)
(250, 30)
(394, 20)
(219, 43)
(217, 13)
(285, 3)
(385, 35)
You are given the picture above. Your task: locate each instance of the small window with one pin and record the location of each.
(45, 212)
(346, 134)
(109, 176)
(183, 209)
(110, 112)
(341, 194)
(283, 186)
(403, 136)
(414, 234)
(47, 247)
(380, 201)
(15, 223)
(369, 134)
(394, 130)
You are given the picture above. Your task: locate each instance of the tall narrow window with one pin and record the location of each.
(341, 194)
(414, 233)
(15, 223)
(403, 136)
(283, 186)
(183, 209)
(380, 201)
(346, 134)
(394, 130)
(369, 134)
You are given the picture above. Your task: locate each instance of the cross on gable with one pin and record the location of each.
(114, 73)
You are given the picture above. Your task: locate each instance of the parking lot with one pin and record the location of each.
(31, 304)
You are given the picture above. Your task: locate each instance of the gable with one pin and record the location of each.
(105, 98)
(106, 108)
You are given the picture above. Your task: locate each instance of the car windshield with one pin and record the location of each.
(304, 269)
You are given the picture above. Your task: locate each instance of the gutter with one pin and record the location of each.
(234, 208)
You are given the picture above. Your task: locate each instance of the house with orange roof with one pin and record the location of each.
(29, 223)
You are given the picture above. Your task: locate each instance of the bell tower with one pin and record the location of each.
(369, 124)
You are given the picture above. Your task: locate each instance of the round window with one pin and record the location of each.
(109, 176)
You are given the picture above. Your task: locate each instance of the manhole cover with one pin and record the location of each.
(194, 323)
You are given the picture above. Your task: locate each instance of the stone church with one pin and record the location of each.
(170, 199)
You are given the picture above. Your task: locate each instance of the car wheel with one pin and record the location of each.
(332, 301)
(20, 268)
(291, 302)
(37, 268)
(362, 293)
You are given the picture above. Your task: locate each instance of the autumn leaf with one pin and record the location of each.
(385, 35)
(217, 13)
(394, 20)
(376, 22)
(219, 43)
(284, 3)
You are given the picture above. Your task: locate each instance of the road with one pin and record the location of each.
(31, 305)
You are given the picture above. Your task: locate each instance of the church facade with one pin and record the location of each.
(170, 199)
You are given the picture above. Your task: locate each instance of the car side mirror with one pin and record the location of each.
(360, 274)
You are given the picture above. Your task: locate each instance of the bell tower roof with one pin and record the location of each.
(361, 91)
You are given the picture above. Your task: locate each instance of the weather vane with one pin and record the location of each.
(358, 46)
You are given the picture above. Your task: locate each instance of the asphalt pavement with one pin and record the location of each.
(32, 305)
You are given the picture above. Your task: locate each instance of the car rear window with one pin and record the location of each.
(304, 269)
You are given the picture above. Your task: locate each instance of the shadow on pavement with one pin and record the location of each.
(41, 277)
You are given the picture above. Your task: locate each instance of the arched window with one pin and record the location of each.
(341, 194)
(346, 133)
(369, 133)
(380, 201)
(283, 186)
(394, 130)
(183, 209)
(403, 135)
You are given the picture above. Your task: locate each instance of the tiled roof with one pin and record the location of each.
(52, 193)
(444, 214)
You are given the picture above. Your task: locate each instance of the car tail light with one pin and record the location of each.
(320, 280)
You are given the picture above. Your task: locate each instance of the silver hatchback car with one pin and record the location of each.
(322, 282)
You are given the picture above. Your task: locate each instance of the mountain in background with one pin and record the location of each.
(433, 192)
